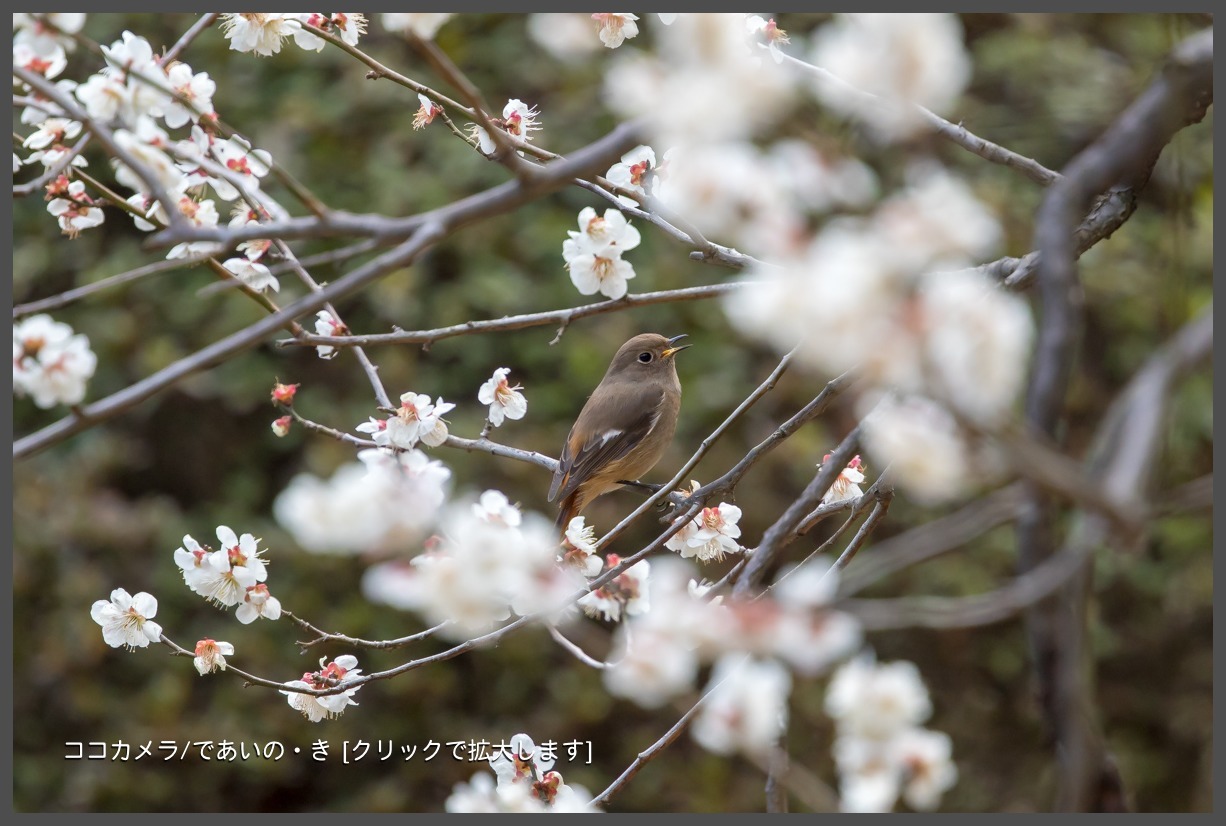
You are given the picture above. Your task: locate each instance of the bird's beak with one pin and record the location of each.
(672, 351)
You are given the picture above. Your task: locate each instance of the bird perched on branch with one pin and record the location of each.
(625, 426)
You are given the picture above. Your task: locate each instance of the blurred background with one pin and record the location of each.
(107, 508)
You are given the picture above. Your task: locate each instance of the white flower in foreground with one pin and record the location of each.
(520, 762)
(653, 669)
(253, 274)
(196, 91)
(52, 131)
(259, 33)
(422, 24)
(926, 758)
(935, 222)
(50, 362)
(710, 535)
(494, 507)
(920, 441)
(747, 709)
(904, 59)
(616, 28)
(771, 34)
(383, 501)
(223, 576)
(211, 655)
(334, 674)
(419, 420)
(847, 483)
(125, 619)
(877, 700)
(505, 401)
(566, 36)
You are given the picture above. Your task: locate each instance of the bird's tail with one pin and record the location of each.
(568, 509)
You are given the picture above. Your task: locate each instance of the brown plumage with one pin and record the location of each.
(625, 426)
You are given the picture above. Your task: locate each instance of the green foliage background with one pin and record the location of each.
(107, 508)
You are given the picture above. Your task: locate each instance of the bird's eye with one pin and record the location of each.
(645, 358)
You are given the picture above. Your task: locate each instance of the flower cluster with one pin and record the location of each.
(526, 782)
(330, 675)
(488, 561)
(593, 254)
(752, 642)
(416, 420)
(709, 535)
(381, 501)
(880, 749)
(262, 34)
(233, 575)
(51, 364)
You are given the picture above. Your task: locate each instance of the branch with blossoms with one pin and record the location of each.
(890, 306)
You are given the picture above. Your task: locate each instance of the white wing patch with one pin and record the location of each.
(610, 435)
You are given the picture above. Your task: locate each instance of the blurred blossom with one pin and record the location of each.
(747, 708)
(704, 82)
(731, 192)
(484, 569)
(504, 401)
(651, 667)
(422, 24)
(880, 750)
(51, 363)
(126, 620)
(315, 708)
(494, 507)
(566, 36)
(211, 656)
(769, 33)
(481, 796)
(819, 181)
(920, 441)
(383, 501)
(902, 59)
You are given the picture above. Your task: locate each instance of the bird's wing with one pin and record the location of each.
(608, 442)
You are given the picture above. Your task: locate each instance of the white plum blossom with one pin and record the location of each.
(144, 147)
(222, 576)
(871, 699)
(579, 547)
(902, 59)
(126, 620)
(632, 172)
(259, 33)
(195, 93)
(593, 254)
(651, 667)
(928, 767)
(382, 501)
(423, 24)
(616, 28)
(211, 655)
(710, 535)
(820, 181)
(52, 131)
(327, 324)
(520, 119)
(252, 273)
(504, 401)
(847, 483)
(426, 113)
(416, 420)
(198, 214)
(240, 159)
(349, 27)
(51, 363)
(625, 596)
(74, 209)
(770, 33)
(746, 709)
(481, 796)
(335, 674)
(258, 602)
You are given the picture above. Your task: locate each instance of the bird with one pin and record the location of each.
(625, 426)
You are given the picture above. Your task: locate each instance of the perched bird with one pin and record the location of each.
(625, 426)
